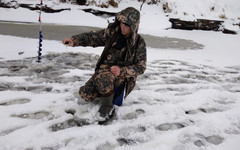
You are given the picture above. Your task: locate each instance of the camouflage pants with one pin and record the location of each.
(100, 84)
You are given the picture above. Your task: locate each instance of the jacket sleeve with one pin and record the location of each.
(139, 65)
(93, 38)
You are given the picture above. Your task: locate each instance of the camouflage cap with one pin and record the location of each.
(129, 16)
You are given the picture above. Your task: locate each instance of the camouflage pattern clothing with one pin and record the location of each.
(127, 53)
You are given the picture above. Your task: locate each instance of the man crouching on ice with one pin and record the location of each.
(122, 60)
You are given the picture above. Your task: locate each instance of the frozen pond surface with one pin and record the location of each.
(59, 32)
(174, 102)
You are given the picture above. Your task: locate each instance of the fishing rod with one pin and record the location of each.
(40, 34)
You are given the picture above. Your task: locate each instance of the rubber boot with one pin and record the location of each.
(107, 109)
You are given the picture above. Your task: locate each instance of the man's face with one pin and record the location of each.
(126, 30)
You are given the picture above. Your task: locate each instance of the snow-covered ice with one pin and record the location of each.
(187, 98)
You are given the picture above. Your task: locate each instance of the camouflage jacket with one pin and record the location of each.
(130, 55)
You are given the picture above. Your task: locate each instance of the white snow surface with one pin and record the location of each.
(186, 99)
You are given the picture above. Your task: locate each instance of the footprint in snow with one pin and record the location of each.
(70, 111)
(106, 146)
(16, 101)
(5, 86)
(199, 143)
(133, 115)
(33, 88)
(126, 141)
(6, 132)
(13, 87)
(170, 126)
(130, 135)
(73, 122)
(213, 139)
(204, 110)
(36, 115)
(126, 131)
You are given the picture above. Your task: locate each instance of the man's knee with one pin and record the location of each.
(105, 83)
(87, 94)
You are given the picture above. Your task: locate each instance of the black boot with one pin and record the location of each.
(107, 110)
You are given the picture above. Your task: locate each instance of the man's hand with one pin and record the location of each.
(68, 42)
(115, 70)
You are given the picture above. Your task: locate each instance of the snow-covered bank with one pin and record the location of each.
(154, 17)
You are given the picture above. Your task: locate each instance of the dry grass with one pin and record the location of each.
(150, 2)
(61, 1)
(92, 2)
(166, 8)
(212, 9)
(222, 16)
(113, 3)
(154, 2)
(103, 5)
(81, 2)
(109, 3)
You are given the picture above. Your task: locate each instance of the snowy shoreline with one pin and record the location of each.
(153, 17)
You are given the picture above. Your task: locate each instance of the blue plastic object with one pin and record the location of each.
(119, 98)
